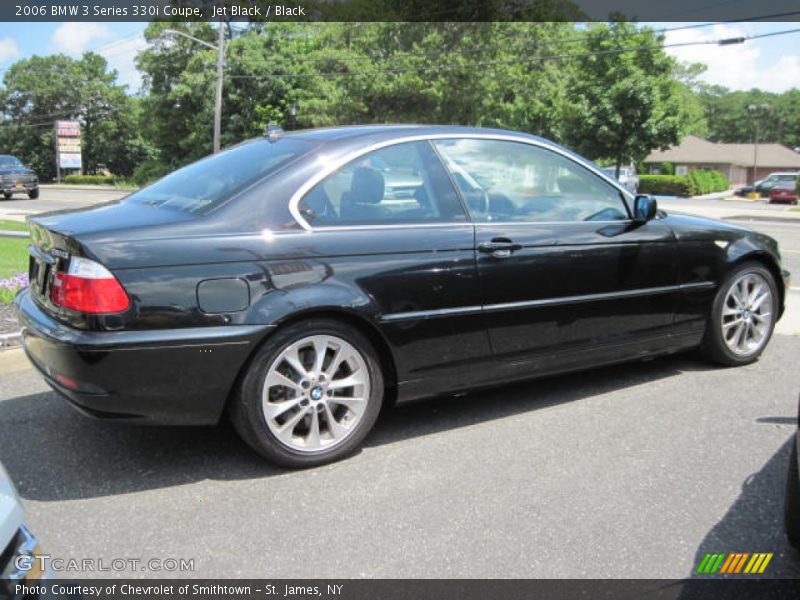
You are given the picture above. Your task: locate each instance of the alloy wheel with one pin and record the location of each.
(747, 314)
(315, 393)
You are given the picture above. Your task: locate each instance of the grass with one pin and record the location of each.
(13, 225)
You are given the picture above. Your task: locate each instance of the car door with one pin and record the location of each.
(562, 266)
(391, 224)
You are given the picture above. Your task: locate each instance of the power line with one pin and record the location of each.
(532, 46)
(448, 66)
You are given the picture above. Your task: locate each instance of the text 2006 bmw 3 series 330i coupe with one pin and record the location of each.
(299, 281)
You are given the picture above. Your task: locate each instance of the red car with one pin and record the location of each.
(784, 191)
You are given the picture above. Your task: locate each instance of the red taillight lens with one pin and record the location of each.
(88, 287)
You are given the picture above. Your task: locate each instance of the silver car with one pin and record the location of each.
(627, 177)
(18, 546)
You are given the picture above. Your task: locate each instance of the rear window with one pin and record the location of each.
(207, 183)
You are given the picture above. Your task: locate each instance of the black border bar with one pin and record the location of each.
(405, 589)
(397, 10)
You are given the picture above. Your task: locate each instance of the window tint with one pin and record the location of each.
(510, 181)
(402, 184)
(206, 183)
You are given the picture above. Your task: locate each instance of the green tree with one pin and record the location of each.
(622, 105)
(38, 91)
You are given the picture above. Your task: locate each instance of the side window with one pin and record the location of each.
(511, 181)
(401, 184)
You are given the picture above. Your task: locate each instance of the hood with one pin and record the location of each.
(16, 171)
(696, 222)
(11, 512)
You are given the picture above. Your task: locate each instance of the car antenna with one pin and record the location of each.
(272, 132)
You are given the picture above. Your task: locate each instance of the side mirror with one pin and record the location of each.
(644, 208)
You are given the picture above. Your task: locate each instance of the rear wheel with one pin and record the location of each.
(310, 395)
(742, 317)
(33, 194)
(7, 195)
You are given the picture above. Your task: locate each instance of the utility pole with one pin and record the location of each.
(755, 111)
(220, 48)
(218, 99)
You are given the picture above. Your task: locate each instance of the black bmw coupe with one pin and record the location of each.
(286, 283)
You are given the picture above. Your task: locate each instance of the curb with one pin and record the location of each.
(13, 360)
(78, 187)
(763, 219)
(14, 234)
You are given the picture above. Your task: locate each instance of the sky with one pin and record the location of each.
(772, 64)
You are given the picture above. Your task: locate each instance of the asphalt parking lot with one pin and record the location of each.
(632, 471)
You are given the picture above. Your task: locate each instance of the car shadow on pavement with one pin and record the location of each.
(53, 453)
(753, 523)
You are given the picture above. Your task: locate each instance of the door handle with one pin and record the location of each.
(499, 247)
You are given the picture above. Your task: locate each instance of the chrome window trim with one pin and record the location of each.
(463, 310)
(329, 169)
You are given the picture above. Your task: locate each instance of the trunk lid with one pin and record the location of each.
(57, 236)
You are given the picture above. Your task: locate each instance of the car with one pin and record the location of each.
(16, 178)
(627, 177)
(783, 191)
(792, 502)
(19, 547)
(275, 283)
(764, 186)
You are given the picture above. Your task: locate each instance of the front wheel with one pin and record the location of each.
(311, 394)
(742, 316)
(33, 194)
(7, 196)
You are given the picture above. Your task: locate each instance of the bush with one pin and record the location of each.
(707, 182)
(149, 171)
(89, 179)
(667, 168)
(665, 185)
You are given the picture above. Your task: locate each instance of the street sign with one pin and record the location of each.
(68, 145)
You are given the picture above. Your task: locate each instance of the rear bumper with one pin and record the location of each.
(166, 376)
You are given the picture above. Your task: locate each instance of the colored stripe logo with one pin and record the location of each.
(734, 563)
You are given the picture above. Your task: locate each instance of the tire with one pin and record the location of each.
(33, 194)
(754, 320)
(7, 196)
(792, 502)
(286, 435)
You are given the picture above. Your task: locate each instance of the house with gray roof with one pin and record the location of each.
(735, 161)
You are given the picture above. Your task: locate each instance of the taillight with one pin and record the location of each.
(88, 287)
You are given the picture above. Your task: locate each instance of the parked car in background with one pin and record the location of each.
(627, 177)
(18, 546)
(784, 192)
(763, 186)
(277, 282)
(792, 503)
(16, 178)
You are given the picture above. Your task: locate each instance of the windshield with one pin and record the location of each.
(10, 162)
(209, 182)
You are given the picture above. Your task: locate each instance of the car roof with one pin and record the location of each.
(377, 133)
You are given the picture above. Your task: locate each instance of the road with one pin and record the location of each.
(56, 198)
(631, 471)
